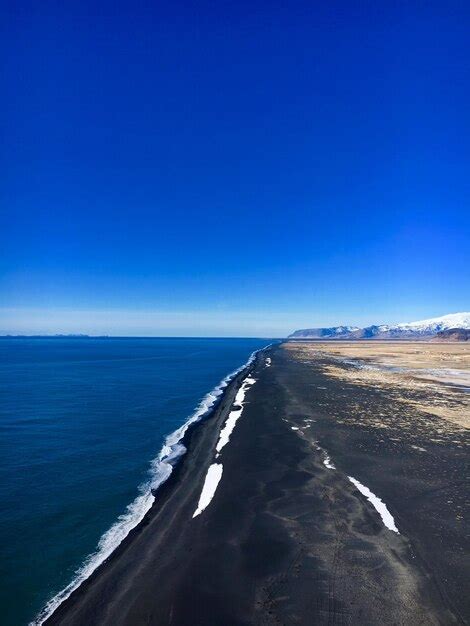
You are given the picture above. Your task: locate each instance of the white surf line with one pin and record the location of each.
(160, 470)
(234, 414)
(378, 505)
(213, 476)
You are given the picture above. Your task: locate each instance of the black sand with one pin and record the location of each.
(285, 539)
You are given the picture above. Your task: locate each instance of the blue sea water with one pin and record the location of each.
(81, 421)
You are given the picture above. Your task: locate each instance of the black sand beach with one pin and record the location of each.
(286, 539)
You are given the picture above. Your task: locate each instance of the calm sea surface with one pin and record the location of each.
(81, 420)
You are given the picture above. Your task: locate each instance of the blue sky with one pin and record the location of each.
(233, 168)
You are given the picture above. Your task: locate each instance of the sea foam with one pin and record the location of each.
(160, 470)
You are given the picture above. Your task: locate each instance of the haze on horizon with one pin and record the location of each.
(233, 169)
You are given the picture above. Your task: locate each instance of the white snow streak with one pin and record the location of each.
(213, 476)
(377, 503)
(234, 414)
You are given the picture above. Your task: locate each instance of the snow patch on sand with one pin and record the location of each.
(213, 476)
(268, 362)
(377, 503)
(234, 414)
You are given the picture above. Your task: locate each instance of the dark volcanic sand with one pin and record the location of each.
(285, 539)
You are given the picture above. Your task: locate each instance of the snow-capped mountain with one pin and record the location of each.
(407, 330)
(436, 324)
(334, 332)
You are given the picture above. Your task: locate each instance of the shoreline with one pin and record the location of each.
(314, 518)
(217, 411)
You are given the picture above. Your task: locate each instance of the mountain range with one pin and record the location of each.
(422, 329)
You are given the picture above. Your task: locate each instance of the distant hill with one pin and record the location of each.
(424, 329)
(335, 332)
(453, 334)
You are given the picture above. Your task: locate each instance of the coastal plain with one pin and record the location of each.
(343, 500)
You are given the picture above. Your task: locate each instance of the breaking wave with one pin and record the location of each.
(160, 470)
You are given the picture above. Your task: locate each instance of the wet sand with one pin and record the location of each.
(286, 539)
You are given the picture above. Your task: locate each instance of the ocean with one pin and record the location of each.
(84, 426)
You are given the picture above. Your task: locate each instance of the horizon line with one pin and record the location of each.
(86, 336)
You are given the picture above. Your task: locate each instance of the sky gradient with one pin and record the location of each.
(233, 168)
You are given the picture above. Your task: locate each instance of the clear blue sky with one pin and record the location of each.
(233, 168)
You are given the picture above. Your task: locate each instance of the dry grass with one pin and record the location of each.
(430, 378)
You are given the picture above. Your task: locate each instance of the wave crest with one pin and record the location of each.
(160, 470)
